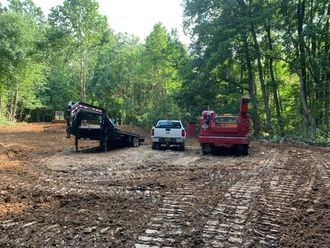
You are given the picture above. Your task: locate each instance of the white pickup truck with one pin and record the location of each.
(168, 132)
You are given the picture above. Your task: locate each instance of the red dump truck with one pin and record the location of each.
(225, 131)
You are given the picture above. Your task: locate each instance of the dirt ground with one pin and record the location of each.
(52, 196)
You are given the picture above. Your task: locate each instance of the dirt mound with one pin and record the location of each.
(138, 130)
(23, 127)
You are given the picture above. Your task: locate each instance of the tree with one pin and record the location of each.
(163, 55)
(21, 69)
(79, 25)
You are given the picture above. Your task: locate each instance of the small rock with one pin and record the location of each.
(81, 211)
(235, 240)
(310, 211)
(89, 229)
(29, 224)
(104, 230)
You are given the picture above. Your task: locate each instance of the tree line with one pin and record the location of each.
(275, 51)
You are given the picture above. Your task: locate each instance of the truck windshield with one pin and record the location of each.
(169, 124)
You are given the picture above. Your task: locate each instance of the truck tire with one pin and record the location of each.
(243, 150)
(154, 146)
(182, 147)
(206, 148)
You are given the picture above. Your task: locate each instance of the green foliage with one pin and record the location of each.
(6, 122)
(22, 71)
(276, 52)
(136, 83)
(78, 32)
(319, 141)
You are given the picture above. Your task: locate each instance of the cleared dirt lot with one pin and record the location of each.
(278, 196)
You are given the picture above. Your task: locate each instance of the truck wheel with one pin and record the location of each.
(206, 148)
(182, 147)
(153, 146)
(245, 150)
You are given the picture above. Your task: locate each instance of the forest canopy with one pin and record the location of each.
(276, 52)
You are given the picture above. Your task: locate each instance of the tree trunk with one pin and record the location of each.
(252, 90)
(326, 112)
(14, 101)
(262, 81)
(12, 105)
(82, 79)
(302, 64)
(274, 84)
(315, 73)
(241, 79)
(1, 103)
(304, 103)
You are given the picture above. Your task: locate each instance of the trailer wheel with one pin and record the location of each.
(76, 143)
(105, 145)
(135, 142)
(68, 133)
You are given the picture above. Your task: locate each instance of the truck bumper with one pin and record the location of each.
(168, 140)
(224, 141)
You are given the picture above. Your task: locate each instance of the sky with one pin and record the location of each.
(135, 17)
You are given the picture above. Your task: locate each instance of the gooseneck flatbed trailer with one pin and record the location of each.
(90, 122)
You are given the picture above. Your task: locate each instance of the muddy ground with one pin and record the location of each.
(52, 196)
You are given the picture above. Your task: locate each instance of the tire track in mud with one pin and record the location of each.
(168, 224)
(227, 224)
(273, 204)
(324, 169)
(107, 179)
(97, 186)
